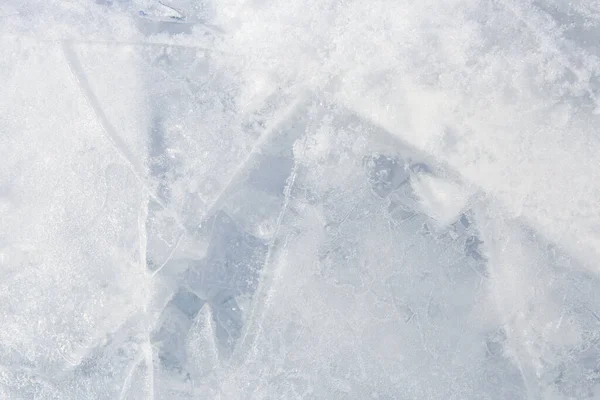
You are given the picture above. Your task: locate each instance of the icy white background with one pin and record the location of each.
(249, 199)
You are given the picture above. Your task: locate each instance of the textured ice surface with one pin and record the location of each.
(299, 199)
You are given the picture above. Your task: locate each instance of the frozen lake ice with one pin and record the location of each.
(299, 199)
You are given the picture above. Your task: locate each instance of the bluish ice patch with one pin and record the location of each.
(173, 329)
(232, 263)
(271, 174)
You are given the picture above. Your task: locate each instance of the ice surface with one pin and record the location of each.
(299, 199)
